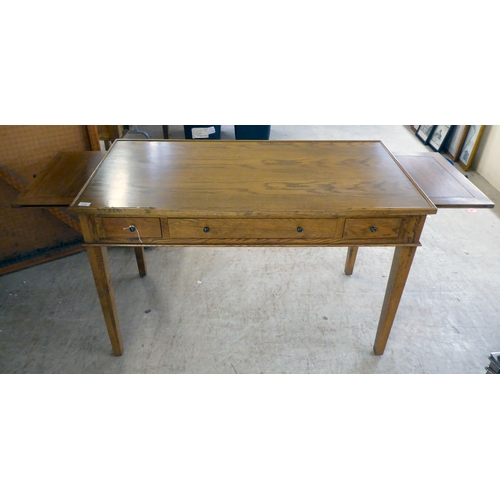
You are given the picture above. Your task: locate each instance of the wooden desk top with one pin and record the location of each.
(251, 179)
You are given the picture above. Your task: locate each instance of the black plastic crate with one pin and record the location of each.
(252, 132)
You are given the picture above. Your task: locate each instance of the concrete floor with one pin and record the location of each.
(268, 310)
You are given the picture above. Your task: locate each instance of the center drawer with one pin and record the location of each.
(252, 228)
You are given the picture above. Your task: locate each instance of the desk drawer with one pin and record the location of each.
(372, 228)
(118, 228)
(252, 228)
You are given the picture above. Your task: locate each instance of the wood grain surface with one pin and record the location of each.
(442, 182)
(251, 179)
(59, 183)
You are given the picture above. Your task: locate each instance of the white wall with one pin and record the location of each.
(486, 160)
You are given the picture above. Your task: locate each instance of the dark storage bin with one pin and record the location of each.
(252, 132)
(202, 131)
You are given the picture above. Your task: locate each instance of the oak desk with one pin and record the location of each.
(241, 193)
(252, 193)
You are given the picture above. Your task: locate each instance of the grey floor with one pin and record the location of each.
(268, 310)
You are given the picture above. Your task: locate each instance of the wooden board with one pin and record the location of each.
(442, 182)
(61, 181)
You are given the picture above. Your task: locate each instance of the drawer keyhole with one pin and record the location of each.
(206, 229)
(373, 229)
(299, 229)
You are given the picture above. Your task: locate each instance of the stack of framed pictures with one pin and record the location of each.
(494, 366)
(459, 141)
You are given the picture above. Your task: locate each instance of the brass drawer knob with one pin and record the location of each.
(299, 229)
(206, 229)
(373, 229)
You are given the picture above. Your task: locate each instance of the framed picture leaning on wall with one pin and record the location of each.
(470, 145)
(457, 139)
(424, 132)
(438, 136)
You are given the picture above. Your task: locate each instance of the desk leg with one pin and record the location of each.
(351, 259)
(401, 264)
(141, 260)
(98, 257)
